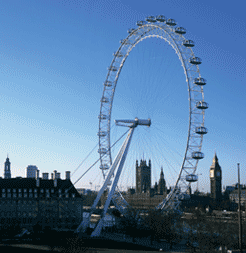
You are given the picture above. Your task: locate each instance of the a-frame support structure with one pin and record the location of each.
(115, 169)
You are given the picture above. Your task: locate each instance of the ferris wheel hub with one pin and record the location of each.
(133, 123)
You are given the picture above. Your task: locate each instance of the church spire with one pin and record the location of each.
(7, 172)
(162, 174)
(162, 183)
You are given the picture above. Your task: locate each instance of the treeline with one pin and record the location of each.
(202, 232)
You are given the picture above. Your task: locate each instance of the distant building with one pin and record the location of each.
(7, 172)
(31, 171)
(46, 175)
(233, 196)
(216, 200)
(144, 196)
(215, 179)
(229, 189)
(29, 201)
(83, 191)
(143, 176)
(162, 184)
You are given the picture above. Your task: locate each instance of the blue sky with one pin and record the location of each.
(54, 58)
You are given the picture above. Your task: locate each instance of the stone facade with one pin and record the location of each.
(143, 176)
(233, 196)
(29, 201)
(146, 197)
(144, 200)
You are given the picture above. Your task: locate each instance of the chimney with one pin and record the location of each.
(55, 174)
(52, 176)
(38, 179)
(45, 175)
(37, 174)
(67, 175)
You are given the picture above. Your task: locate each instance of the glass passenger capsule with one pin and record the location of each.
(125, 41)
(197, 155)
(112, 68)
(171, 22)
(141, 23)
(191, 178)
(151, 19)
(131, 30)
(108, 83)
(202, 105)
(104, 100)
(201, 130)
(189, 43)
(118, 54)
(180, 30)
(200, 81)
(160, 18)
(195, 60)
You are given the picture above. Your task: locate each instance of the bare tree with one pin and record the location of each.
(162, 225)
(211, 232)
(128, 223)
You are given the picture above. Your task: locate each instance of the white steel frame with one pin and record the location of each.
(195, 95)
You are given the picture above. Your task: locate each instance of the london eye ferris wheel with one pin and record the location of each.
(173, 35)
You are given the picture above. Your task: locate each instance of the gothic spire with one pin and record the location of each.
(162, 174)
(7, 172)
(215, 159)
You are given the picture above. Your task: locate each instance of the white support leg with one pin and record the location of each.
(98, 229)
(84, 224)
(120, 159)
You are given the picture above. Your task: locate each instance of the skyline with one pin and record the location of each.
(54, 59)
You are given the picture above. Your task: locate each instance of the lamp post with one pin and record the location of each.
(239, 212)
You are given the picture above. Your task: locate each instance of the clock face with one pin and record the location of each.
(211, 173)
(218, 174)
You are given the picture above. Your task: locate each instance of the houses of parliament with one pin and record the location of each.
(144, 195)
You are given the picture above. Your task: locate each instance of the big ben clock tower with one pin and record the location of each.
(215, 178)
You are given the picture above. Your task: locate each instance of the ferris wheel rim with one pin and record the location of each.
(148, 30)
